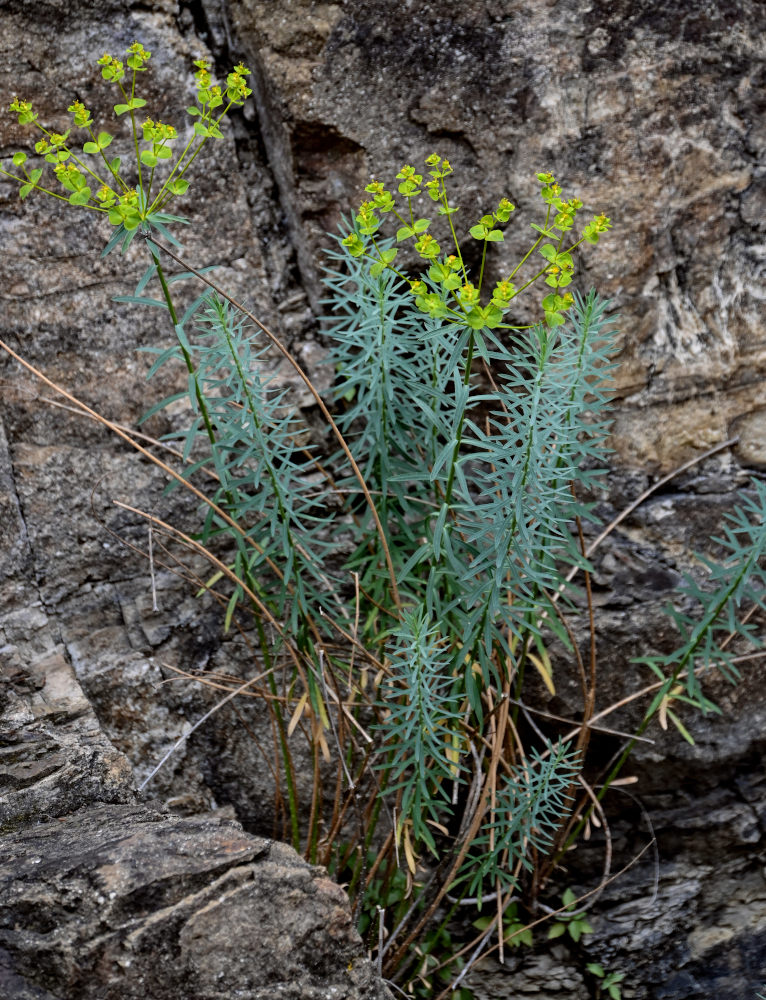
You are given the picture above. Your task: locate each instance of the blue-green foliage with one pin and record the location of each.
(268, 480)
(515, 506)
(470, 442)
(422, 709)
(472, 483)
(739, 579)
(393, 364)
(528, 809)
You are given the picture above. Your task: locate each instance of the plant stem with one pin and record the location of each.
(187, 357)
(461, 422)
(322, 406)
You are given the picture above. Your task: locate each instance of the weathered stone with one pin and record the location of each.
(68, 584)
(103, 898)
(121, 902)
(653, 113)
(53, 755)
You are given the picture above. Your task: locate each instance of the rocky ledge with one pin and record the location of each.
(102, 897)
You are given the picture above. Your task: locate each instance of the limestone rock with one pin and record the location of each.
(106, 899)
(53, 755)
(688, 920)
(120, 902)
(653, 113)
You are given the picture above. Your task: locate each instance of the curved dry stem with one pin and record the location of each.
(182, 739)
(117, 429)
(223, 568)
(607, 833)
(653, 489)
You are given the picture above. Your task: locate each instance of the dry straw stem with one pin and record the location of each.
(182, 739)
(223, 568)
(130, 437)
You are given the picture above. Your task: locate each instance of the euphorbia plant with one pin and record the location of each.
(132, 195)
(399, 634)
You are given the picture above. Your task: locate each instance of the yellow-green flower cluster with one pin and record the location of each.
(112, 69)
(106, 196)
(158, 131)
(72, 179)
(598, 225)
(159, 135)
(138, 56)
(53, 146)
(437, 191)
(210, 96)
(368, 221)
(382, 200)
(236, 87)
(207, 94)
(450, 293)
(24, 110)
(125, 206)
(427, 247)
(503, 293)
(82, 118)
(411, 181)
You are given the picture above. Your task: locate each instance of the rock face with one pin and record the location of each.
(54, 754)
(653, 113)
(119, 902)
(104, 898)
(689, 920)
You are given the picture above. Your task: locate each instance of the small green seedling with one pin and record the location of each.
(515, 931)
(571, 922)
(610, 981)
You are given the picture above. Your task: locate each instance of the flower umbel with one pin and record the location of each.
(96, 183)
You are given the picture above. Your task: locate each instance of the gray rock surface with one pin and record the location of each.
(120, 902)
(68, 582)
(54, 756)
(689, 920)
(653, 112)
(104, 898)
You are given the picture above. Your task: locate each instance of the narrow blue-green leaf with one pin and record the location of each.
(194, 307)
(231, 607)
(129, 234)
(160, 405)
(438, 529)
(165, 217)
(185, 275)
(146, 277)
(443, 457)
(163, 230)
(181, 334)
(140, 300)
(481, 347)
